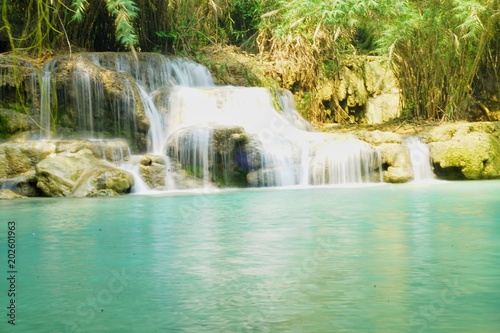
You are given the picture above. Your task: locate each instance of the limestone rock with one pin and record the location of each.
(80, 174)
(24, 185)
(378, 137)
(19, 158)
(8, 194)
(115, 150)
(12, 122)
(103, 181)
(153, 171)
(382, 108)
(469, 156)
(396, 163)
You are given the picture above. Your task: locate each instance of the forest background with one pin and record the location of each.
(445, 54)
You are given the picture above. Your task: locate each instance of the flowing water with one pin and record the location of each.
(215, 133)
(420, 159)
(383, 258)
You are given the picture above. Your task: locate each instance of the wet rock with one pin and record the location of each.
(19, 158)
(470, 156)
(8, 195)
(103, 180)
(115, 150)
(24, 185)
(152, 170)
(396, 163)
(80, 174)
(12, 122)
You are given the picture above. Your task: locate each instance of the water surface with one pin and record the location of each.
(386, 258)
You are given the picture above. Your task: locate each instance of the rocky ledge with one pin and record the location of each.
(458, 151)
(87, 168)
(80, 168)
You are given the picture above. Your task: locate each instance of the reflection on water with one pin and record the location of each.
(391, 258)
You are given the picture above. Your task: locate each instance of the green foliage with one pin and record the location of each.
(439, 49)
(124, 11)
(435, 47)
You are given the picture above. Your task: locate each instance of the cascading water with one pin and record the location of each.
(420, 159)
(232, 136)
(45, 99)
(278, 150)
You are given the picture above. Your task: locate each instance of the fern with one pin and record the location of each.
(125, 11)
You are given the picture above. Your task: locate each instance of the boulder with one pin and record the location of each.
(80, 174)
(8, 194)
(470, 156)
(24, 185)
(153, 171)
(396, 163)
(103, 181)
(20, 158)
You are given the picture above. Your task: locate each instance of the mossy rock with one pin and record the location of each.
(396, 163)
(12, 122)
(20, 158)
(80, 174)
(8, 195)
(471, 156)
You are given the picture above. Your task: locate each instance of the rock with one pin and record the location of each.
(99, 98)
(396, 163)
(367, 91)
(470, 156)
(378, 137)
(12, 122)
(113, 150)
(24, 185)
(19, 88)
(382, 108)
(80, 174)
(262, 178)
(226, 161)
(8, 194)
(103, 180)
(152, 171)
(19, 158)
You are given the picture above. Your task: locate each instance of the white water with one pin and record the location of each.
(209, 130)
(286, 154)
(420, 159)
(45, 100)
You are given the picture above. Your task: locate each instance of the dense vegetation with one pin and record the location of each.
(445, 53)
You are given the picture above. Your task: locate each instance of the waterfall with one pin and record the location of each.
(290, 112)
(420, 158)
(207, 134)
(45, 99)
(279, 151)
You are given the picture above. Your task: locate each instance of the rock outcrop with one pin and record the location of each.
(8, 195)
(465, 150)
(64, 168)
(80, 175)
